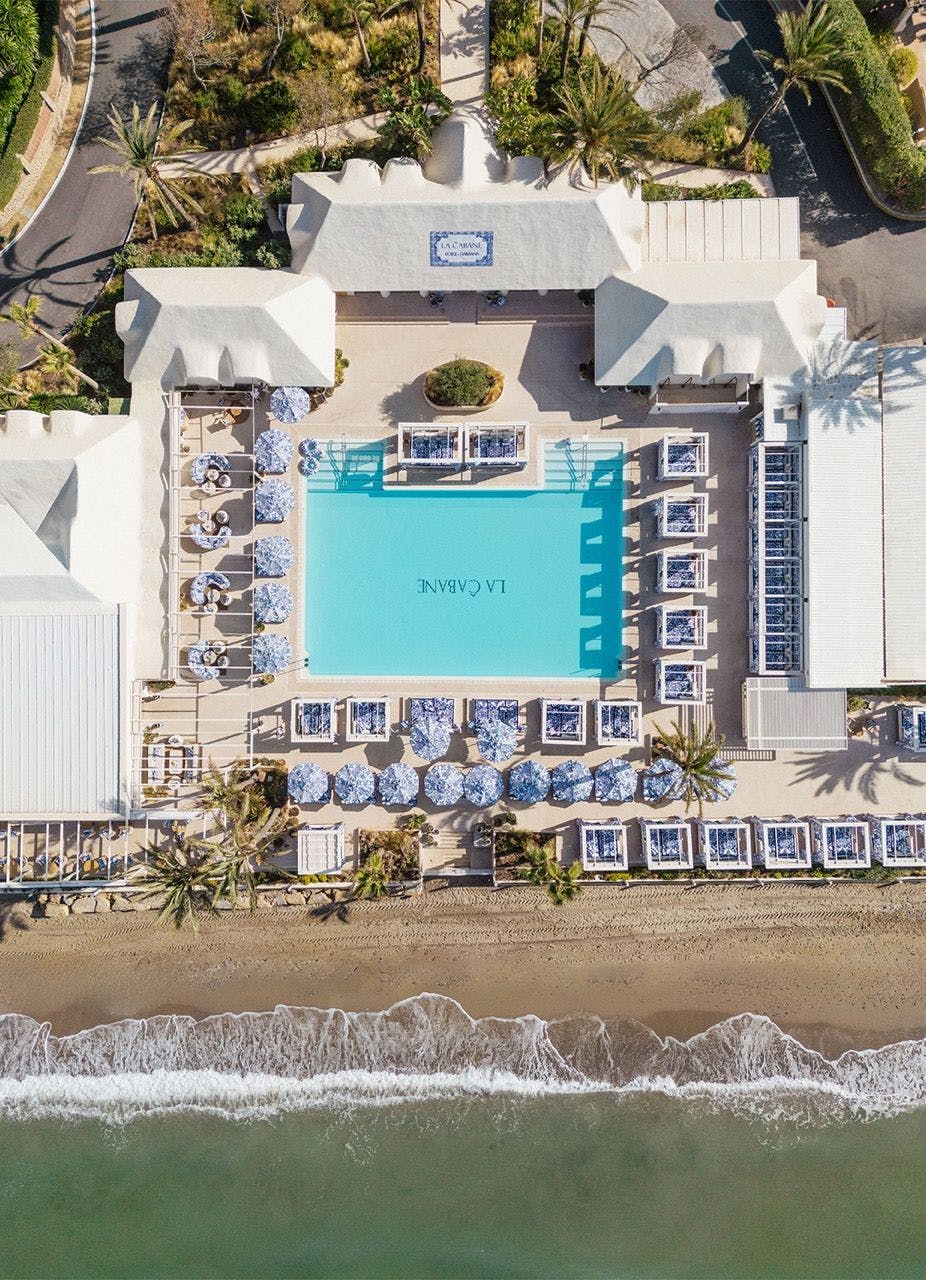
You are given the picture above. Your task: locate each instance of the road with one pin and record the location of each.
(869, 262)
(64, 254)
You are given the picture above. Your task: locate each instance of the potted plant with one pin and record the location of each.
(463, 384)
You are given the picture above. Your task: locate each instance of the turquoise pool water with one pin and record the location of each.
(465, 582)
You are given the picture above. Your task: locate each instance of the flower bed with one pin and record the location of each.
(463, 384)
(398, 849)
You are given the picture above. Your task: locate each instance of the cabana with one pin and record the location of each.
(442, 709)
(618, 720)
(667, 844)
(603, 846)
(899, 842)
(681, 571)
(724, 844)
(427, 444)
(484, 711)
(681, 628)
(682, 457)
(911, 728)
(313, 719)
(320, 850)
(841, 844)
(681, 515)
(562, 721)
(368, 720)
(783, 846)
(497, 444)
(680, 683)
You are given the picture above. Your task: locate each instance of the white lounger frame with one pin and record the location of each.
(650, 829)
(296, 736)
(593, 863)
(708, 827)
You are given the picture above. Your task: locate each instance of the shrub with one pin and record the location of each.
(720, 126)
(297, 54)
(393, 50)
(522, 127)
(741, 189)
(513, 28)
(273, 254)
(25, 113)
(19, 30)
(461, 382)
(272, 110)
(903, 65)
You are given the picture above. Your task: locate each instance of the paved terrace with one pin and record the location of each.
(539, 343)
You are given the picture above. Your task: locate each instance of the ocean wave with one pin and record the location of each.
(257, 1065)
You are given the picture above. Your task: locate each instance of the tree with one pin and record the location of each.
(418, 6)
(593, 13)
(136, 142)
(697, 753)
(55, 356)
(279, 17)
(563, 884)
(813, 53)
(568, 13)
(191, 26)
(182, 873)
(603, 128)
(411, 120)
(370, 878)
(358, 13)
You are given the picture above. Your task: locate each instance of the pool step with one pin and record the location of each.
(576, 464)
(348, 466)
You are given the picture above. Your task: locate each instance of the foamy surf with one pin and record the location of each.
(428, 1049)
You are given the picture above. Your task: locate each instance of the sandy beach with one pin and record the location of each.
(849, 958)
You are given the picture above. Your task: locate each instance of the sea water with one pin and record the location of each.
(420, 1142)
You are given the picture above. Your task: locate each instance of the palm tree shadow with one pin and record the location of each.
(10, 919)
(335, 908)
(835, 771)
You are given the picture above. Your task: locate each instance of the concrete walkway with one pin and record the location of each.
(464, 51)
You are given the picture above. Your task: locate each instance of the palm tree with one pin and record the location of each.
(418, 6)
(563, 884)
(411, 121)
(697, 754)
(359, 13)
(569, 14)
(370, 879)
(602, 128)
(592, 18)
(183, 873)
(56, 357)
(813, 52)
(137, 142)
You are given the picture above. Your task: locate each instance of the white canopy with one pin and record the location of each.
(704, 320)
(467, 219)
(226, 325)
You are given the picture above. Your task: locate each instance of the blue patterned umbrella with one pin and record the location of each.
(309, 448)
(308, 466)
(289, 404)
(210, 541)
(273, 501)
(355, 783)
(272, 602)
(429, 738)
(443, 784)
(529, 782)
(496, 741)
(272, 556)
(615, 780)
(398, 784)
(202, 582)
(572, 781)
(309, 784)
(662, 781)
(195, 664)
(270, 654)
(273, 452)
(200, 465)
(483, 786)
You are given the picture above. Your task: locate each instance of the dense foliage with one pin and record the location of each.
(461, 382)
(741, 189)
(27, 56)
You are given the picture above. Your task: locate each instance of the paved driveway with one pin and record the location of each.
(871, 263)
(65, 253)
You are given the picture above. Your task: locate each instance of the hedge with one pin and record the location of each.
(875, 110)
(15, 82)
(27, 118)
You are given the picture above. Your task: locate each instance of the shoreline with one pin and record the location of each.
(838, 967)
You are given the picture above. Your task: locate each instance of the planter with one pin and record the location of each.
(496, 387)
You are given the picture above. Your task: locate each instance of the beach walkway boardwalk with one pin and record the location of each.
(464, 52)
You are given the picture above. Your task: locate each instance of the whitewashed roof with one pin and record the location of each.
(365, 229)
(692, 319)
(904, 390)
(759, 230)
(844, 581)
(225, 326)
(60, 713)
(782, 714)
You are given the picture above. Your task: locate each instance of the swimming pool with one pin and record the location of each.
(463, 582)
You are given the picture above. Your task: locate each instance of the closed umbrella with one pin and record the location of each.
(429, 738)
(272, 556)
(662, 780)
(529, 782)
(572, 781)
(272, 602)
(443, 784)
(355, 783)
(398, 784)
(273, 501)
(273, 452)
(309, 784)
(483, 786)
(496, 741)
(289, 404)
(270, 654)
(615, 780)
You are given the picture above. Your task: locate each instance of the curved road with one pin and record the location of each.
(868, 262)
(64, 254)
